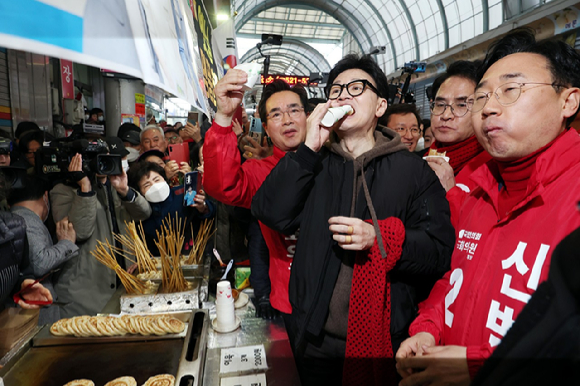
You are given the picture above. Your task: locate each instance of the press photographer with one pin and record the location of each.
(97, 200)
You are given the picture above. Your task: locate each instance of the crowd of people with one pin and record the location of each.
(388, 263)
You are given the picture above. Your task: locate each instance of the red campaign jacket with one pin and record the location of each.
(498, 261)
(464, 185)
(229, 181)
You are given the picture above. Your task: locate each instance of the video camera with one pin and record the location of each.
(54, 158)
(5, 146)
(414, 67)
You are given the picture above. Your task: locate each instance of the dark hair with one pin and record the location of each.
(278, 86)
(426, 124)
(563, 60)
(462, 68)
(24, 127)
(401, 108)
(365, 63)
(171, 130)
(142, 169)
(96, 110)
(37, 136)
(313, 102)
(33, 188)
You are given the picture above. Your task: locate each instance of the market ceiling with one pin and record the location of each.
(408, 29)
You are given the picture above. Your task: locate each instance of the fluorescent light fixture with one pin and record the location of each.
(222, 16)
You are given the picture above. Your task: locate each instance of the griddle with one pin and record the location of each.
(51, 364)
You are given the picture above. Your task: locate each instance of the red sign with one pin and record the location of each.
(140, 109)
(290, 79)
(67, 79)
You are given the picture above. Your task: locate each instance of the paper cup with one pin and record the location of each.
(335, 114)
(226, 318)
(253, 70)
(223, 292)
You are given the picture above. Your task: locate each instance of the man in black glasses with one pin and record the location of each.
(282, 110)
(524, 204)
(455, 153)
(374, 237)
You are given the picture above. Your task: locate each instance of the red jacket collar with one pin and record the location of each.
(278, 154)
(555, 161)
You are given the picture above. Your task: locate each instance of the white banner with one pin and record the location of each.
(154, 40)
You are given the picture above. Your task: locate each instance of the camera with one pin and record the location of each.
(5, 146)
(54, 158)
(414, 67)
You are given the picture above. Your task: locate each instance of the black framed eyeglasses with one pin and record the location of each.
(354, 88)
(506, 94)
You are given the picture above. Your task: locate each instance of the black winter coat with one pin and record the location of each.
(13, 255)
(306, 188)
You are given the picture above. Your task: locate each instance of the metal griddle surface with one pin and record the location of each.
(101, 363)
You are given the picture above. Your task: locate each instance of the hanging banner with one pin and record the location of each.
(67, 79)
(210, 73)
(148, 39)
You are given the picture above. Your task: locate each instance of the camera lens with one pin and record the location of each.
(109, 164)
(105, 165)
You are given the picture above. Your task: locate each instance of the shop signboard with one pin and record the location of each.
(67, 79)
(140, 98)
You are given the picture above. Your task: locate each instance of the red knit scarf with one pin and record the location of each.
(369, 358)
(459, 153)
(515, 176)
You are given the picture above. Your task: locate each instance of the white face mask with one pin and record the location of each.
(157, 192)
(101, 118)
(133, 154)
(87, 117)
(125, 165)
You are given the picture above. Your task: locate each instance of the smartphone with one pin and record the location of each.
(257, 130)
(179, 152)
(191, 184)
(192, 117)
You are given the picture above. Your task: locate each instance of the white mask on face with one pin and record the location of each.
(87, 117)
(133, 154)
(158, 192)
(125, 165)
(101, 118)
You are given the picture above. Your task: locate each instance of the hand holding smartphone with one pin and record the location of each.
(179, 152)
(256, 130)
(192, 184)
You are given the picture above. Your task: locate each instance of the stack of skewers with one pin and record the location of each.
(170, 241)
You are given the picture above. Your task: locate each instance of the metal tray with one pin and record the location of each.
(160, 302)
(57, 365)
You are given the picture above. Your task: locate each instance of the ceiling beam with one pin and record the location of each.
(305, 40)
(444, 22)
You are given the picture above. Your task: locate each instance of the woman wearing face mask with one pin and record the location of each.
(149, 179)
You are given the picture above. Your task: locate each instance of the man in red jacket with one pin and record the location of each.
(231, 182)
(524, 204)
(453, 133)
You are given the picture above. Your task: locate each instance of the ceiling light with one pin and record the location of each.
(222, 16)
